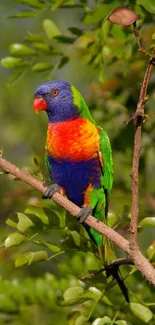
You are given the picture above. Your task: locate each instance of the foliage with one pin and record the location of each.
(42, 237)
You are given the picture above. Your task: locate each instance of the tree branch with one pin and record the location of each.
(139, 260)
(138, 121)
(65, 203)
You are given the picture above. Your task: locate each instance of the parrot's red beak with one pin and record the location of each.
(39, 104)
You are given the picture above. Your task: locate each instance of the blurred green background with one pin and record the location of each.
(104, 64)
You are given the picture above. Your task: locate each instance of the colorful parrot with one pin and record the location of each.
(79, 158)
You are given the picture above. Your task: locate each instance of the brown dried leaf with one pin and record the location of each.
(123, 16)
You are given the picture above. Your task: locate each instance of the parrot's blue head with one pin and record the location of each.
(56, 97)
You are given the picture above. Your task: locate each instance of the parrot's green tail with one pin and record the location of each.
(107, 255)
(105, 246)
(106, 252)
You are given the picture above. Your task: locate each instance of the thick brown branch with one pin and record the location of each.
(138, 120)
(65, 203)
(139, 260)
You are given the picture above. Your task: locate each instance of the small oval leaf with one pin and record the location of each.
(65, 39)
(50, 28)
(42, 47)
(81, 320)
(20, 49)
(14, 239)
(41, 67)
(54, 248)
(39, 212)
(76, 31)
(102, 321)
(33, 38)
(121, 322)
(32, 3)
(151, 252)
(147, 222)
(73, 293)
(63, 61)
(11, 223)
(24, 14)
(11, 62)
(141, 312)
(24, 222)
(31, 257)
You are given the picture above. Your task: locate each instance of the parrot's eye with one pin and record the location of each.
(55, 92)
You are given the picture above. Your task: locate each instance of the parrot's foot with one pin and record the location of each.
(51, 190)
(84, 213)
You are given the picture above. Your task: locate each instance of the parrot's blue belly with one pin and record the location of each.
(75, 177)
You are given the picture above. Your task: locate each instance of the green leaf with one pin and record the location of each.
(31, 257)
(42, 47)
(30, 38)
(151, 252)
(153, 36)
(76, 31)
(65, 39)
(54, 248)
(57, 4)
(76, 237)
(81, 320)
(73, 293)
(102, 321)
(39, 212)
(148, 5)
(63, 61)
(21, 50)
(24, 14)
(100, 13)
(106, 300)
(24, 222)
(77, 295)
(32, 3)
(14, 239)
(147, 222)
(118, 33)
(1, 151)
(11, 62)
(41, 67)
(141, 312)
(112, 218)
(121, 322)
(50, 29)
(11, 223)
(7, 304)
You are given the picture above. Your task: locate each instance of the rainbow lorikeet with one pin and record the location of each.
(78, 157)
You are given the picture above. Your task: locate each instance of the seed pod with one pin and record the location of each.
(123, 16)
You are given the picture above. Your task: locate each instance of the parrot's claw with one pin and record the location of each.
(53, 188)
(84, 213)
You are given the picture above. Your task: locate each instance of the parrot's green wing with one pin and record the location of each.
(105, 156)
(47, 162)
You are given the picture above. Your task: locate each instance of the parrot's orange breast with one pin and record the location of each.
(74, 140)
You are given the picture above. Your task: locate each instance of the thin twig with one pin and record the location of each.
(136, 33)
(138, 121)
(115, 263)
